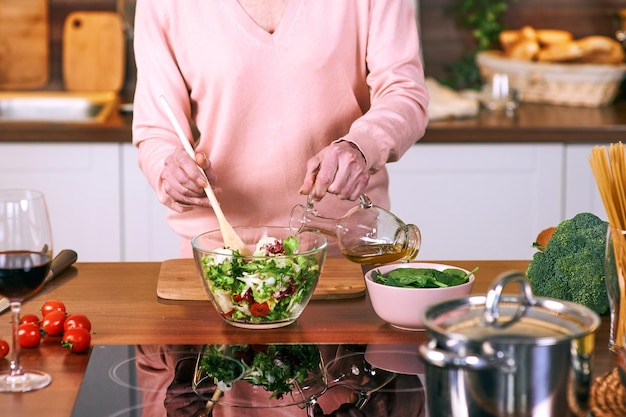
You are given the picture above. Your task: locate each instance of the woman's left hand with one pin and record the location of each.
(339, 169)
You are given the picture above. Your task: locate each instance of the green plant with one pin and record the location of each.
(484, 20)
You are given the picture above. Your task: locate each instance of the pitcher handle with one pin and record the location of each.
(365, 201)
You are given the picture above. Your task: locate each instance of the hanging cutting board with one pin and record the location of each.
(93, 51)
(24, 44)
(340, 279)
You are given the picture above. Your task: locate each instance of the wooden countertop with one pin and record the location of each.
(121, 301)
(535, 123)
(117, 128)
(531, 123)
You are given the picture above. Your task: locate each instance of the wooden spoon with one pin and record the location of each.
(231, 238)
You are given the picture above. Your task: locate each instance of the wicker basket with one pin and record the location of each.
(584, 85)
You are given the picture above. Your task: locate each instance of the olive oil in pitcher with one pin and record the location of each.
(366, 234)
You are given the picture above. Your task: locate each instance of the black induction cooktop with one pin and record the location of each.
(378, 380)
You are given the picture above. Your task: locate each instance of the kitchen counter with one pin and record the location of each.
(531, 123)
(121, 301)
(535, 123)
(117, 128)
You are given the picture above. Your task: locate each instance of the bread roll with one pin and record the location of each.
(601, 50)
(561, 52)
(555, 45)
(508, 38)
(523, 49)
(528, 33)
(547, 37)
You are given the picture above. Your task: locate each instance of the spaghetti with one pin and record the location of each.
(609, 170)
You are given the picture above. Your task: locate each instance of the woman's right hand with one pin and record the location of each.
(183, 181)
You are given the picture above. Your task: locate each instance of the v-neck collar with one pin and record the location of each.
(286, 22)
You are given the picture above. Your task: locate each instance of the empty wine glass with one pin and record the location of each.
(25, 256)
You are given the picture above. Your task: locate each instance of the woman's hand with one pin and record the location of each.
(183, 181)
(339, 169)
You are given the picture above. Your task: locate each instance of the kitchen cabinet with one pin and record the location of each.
(476, 200)
(81, 183)
(146, 236)
(581, 189)
(99, 202)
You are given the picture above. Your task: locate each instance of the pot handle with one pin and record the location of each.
(491, 315)
(443, 359)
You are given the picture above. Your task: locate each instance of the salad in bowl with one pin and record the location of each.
(271, 287)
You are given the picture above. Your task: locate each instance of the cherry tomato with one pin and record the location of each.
(28, 335)
(30, 318)
(259, 309)
(77, 340)
(52, 305)
(53, 322)
(77, 320)
(4, 348)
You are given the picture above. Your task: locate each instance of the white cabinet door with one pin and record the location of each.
(581, 189)
(81, 184)
(478, 201)
(146, 236)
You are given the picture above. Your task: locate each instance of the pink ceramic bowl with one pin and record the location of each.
(403, 307)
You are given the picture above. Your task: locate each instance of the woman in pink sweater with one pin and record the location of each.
(283, 97)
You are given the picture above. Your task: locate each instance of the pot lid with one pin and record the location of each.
(517, 319)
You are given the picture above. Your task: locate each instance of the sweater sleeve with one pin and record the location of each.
(398, 114)
(157, 74)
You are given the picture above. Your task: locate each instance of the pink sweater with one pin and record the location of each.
(265, 103)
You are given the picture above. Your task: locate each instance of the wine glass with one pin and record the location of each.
(25, 256)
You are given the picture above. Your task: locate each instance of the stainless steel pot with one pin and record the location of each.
(508, 355)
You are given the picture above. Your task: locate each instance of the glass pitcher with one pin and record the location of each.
(366, 234)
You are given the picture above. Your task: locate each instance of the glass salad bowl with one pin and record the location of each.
(271, 287)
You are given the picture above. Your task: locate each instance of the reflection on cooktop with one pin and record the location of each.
(252, 380)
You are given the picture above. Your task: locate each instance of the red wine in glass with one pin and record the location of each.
(25, 256)
(22, 273)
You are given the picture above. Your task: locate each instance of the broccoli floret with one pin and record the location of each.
(571, 266)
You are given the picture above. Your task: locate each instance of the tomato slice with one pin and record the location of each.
(259, 309)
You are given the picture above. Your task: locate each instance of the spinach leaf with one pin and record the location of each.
(422, 277)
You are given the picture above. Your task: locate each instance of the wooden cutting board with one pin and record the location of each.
(340, 279)
(94, 51)
(24, 44)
